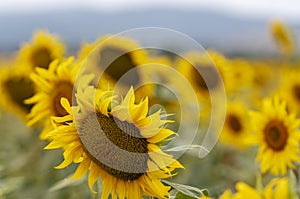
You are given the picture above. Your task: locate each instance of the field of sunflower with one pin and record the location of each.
(121, 120)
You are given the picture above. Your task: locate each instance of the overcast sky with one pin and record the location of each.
(284, 9)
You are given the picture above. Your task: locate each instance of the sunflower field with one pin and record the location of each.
(119, 119)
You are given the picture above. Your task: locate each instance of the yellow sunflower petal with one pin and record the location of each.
(81, 169)
(161, 135)
(93, 176)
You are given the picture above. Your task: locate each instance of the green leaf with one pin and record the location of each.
(180, 195)
(66, 183)
(186, 191)
(205, 192)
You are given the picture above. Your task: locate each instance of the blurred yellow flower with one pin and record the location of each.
(238, 74)
(53, 84)
(277, 134)
(244, 191)
(112, 57)
(41, 51)
(278, 188)
(236, 128)
(264, 81)
(289, 88)
(283, 37)
(15, 87)
(263, 74)
(120, 55)
(123, 150)
(202, 72)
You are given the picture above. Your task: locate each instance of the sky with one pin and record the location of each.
(284, 9)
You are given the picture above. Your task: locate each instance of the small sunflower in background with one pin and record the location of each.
(204, 73)
(112, 48)
(117, 142)
(289, 88)
(200, 70)
(238, 75)
(53, 83)
(119, 55)
(277, 188)
(113, 56)
(236, 128)
(262, 74)
(264, 81)
(277, 134)
(245, 191)
(282, 37)
(157, 79)
(15, 87)
(41, 51)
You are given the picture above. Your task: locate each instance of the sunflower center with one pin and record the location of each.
(19, 90)
(234, 123)
(118, 65)
(115, 146)
(42, 58)
(211, 77)
(63, 89)
(276, 135)
(296, 90)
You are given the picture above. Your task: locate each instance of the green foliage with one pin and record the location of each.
(186, 191)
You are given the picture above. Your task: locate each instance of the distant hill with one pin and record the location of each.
(214, 30)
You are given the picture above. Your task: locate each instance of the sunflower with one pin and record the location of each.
(264, 76)
(264, 81)
(124, 54)
(15, 87)
(276, 132)
(238, 75)
(245, 191)
(289, 88)
(283, 37)
(200, 70)
(236, 127)
(123, 150)
(276, 189)
(112, 57)
(204, 73)
(41, 51)
(53, 84)
(279, 188)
